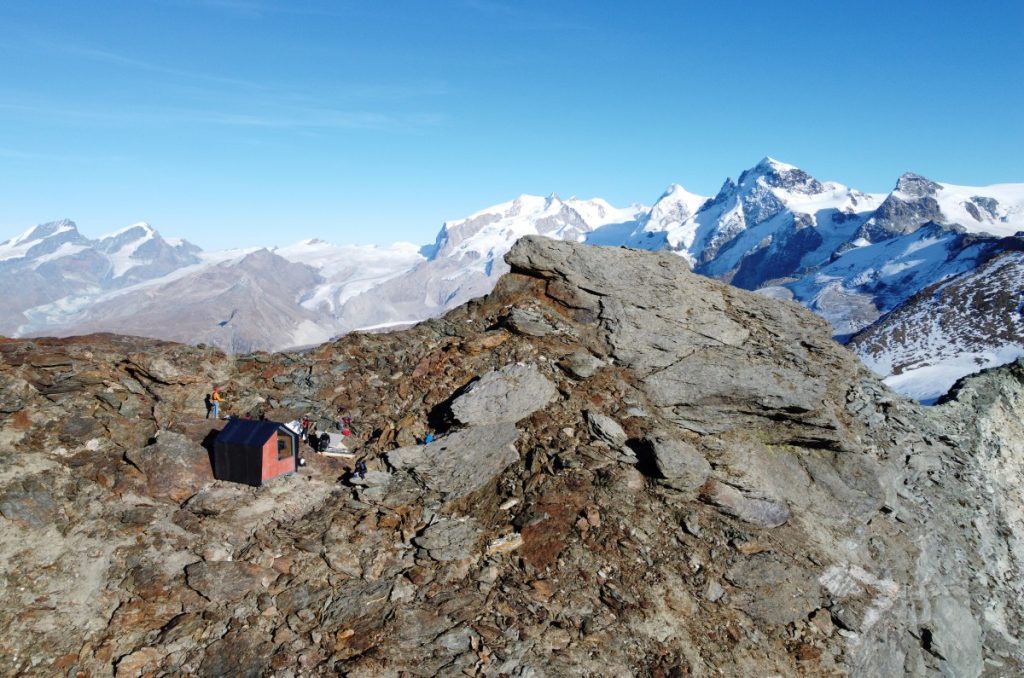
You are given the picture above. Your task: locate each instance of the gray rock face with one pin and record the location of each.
(759, 511)
(507, 395)
(530, 323)
(672, 327)
(781, 257)
(460, 462)
(758, 363)
(906, 212)
(30, 503)
(580, 365)
(773, 590)
(680, 463)
(916, 186)
(449, 540)
(606, 429)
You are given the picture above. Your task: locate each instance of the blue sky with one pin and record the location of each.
(261, 122)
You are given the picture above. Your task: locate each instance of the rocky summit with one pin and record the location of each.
(634, 470)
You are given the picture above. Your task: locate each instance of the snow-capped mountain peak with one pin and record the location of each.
(136, 234)
(139, 226)
(493, 230)
(727, 189)
(779, 175)
(911, 186)
(671, 218)
(916, 201)
(46, 230)
(40, 231)
(597, 212)
(676, 194)
(770, 163)
(42, 240)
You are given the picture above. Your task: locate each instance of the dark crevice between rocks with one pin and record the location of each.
(646, 461)
(125, 459)
(925, 637)
(440, 418)
(141, 375)
(886, 511)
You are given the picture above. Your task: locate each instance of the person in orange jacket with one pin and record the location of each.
(215, 400)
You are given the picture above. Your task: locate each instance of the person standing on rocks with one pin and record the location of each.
(360, 471)
(215, 400)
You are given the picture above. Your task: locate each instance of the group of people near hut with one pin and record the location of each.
(320, 441)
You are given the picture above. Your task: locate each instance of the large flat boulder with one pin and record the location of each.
(175, 467)
(681, 464)
(509, 394)
(461, 462)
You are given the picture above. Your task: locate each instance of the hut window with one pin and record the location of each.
(284, 446)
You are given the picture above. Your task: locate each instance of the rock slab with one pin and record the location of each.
(175, 467)
(461, 462)
(509, 394)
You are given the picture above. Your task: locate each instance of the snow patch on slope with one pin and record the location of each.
(64, 250)
(997, 210)
(349, 270)
(971, 322)
(123, 259)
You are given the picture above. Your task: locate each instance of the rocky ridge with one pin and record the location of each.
(636, 471)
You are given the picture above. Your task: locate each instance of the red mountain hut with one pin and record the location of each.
(252, 452)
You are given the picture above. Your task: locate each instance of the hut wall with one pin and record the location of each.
(272, 466)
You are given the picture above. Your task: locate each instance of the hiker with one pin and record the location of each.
(360, 472)
(209, 404)
(345, 426)
(315, 443)
(305, 429)
(215, 400)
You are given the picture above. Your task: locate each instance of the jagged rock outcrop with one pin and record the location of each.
(912, 203)
(700, 482)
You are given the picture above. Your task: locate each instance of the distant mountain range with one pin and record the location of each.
(926, 279)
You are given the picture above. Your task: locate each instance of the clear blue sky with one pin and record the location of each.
(261, 122)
